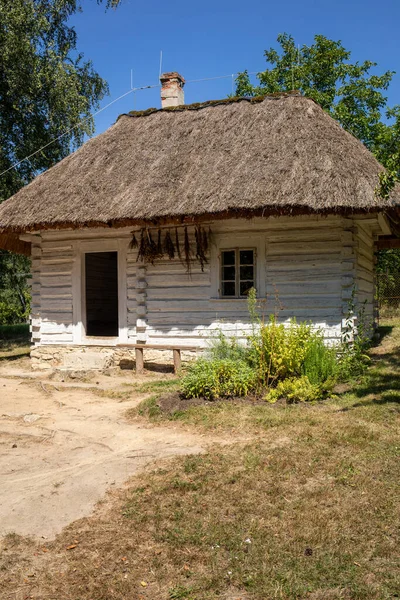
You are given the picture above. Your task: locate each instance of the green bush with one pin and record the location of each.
(278, 352)
(19, 332)
(219, 378)
(223, 348)
(12, 310)
(320, 362)
(10, 314)
(299, 389)
(294, 389)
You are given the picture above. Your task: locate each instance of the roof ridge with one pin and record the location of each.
(200, 105)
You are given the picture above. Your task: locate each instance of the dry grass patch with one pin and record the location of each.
(309, 510)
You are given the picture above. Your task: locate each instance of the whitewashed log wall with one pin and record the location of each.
(365, 271)
(306, 268)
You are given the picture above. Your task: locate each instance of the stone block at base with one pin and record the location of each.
(89, 358)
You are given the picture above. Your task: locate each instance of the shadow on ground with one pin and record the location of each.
(381, 385)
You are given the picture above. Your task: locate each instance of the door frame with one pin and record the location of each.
(79, 295)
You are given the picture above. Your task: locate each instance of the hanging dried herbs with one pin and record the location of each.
(205, 240)
(159, 245)
(201, 246)
(169, 247)
(187, 251)
(178, 248)
(133, 243)
(148, 251)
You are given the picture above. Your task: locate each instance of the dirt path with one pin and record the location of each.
(62, 449)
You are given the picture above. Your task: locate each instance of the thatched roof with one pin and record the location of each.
(278, 155)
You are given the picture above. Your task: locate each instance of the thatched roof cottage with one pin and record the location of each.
(154, 231)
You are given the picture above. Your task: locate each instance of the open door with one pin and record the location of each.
(101, 294)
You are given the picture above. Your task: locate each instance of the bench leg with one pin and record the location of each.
(139, 360)
(177, 360)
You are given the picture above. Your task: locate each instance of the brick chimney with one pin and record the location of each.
(172, 89)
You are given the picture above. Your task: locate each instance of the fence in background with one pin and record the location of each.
(388, 294)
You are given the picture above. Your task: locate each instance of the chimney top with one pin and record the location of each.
(172, 89)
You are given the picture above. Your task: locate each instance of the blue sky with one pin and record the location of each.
(209, 39)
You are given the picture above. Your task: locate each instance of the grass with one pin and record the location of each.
(305, 508)
(14, 341)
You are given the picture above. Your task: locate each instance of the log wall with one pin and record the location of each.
(306, 268)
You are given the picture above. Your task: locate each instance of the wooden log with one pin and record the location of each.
(177, 359)
(139, 360)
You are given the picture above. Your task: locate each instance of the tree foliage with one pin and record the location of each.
(47, 90)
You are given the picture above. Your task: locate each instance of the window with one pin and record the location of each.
(101, 292)
(237, 272)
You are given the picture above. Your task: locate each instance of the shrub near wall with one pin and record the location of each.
(278, 361)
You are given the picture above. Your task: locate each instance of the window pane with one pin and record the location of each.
(228, 257)
(228, 288)
(228, 274)
(245, 287)
(246, 257)
(246, 273)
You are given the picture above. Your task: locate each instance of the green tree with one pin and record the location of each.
(350, 92)
(47, 90)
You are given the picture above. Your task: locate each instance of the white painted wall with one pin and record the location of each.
(306, 267)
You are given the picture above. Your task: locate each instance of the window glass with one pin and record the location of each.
(228, 273)
(246, 257)
(237, 272)
(228, 257)
(247, 273)
(245, 287)
(228, 288)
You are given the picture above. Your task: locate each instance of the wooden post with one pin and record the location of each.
(139, 360)
(177, 359)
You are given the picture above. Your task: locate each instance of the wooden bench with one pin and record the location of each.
(176, 353)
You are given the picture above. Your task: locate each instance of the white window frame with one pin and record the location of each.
(79, 292)
(237, 266)
(242, 241)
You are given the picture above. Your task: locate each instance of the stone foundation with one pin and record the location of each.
(96, 358)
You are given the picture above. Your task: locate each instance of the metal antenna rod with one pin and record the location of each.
(159, 75)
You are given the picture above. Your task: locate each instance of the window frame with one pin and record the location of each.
(238, 280)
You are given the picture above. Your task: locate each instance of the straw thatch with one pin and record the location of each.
(282, 155)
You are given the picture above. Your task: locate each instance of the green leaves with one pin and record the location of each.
(218, 378)
(47, 89)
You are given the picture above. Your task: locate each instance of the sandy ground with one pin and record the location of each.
(61, 449)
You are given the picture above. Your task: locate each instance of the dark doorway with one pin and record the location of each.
(101, 286)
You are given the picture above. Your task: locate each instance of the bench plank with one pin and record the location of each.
(159, 346)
